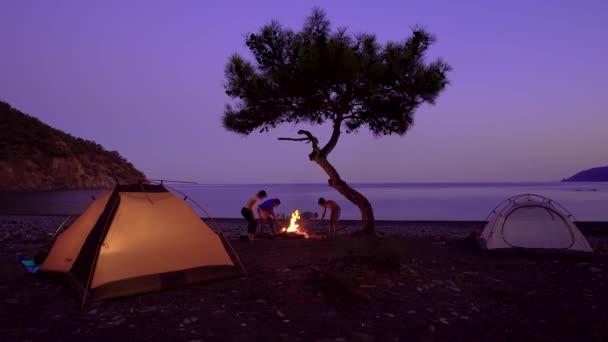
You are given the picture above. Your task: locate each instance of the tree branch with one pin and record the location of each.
(295, 139)
(309, 139)
(312, 138)
(335, 134)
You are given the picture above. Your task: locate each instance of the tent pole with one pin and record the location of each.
(103, 234)
(70, 214)
(161, 181)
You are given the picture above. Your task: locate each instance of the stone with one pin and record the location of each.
(11, 301)
(119, 322)
(363, 337)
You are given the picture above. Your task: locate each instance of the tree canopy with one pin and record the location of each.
(319, 75)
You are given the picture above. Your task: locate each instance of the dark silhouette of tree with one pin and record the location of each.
(319, 76)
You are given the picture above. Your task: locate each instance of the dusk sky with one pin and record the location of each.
(527, 101)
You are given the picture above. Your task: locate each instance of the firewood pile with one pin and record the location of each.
(285, 236)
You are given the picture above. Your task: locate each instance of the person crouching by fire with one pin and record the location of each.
(266, 211)
(334, 214)
(247, 213)
(308, 221)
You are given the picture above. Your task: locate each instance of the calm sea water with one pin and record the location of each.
(400, 201)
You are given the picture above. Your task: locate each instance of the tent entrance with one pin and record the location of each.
(536, 227)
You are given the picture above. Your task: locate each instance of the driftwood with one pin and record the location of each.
(286, 235)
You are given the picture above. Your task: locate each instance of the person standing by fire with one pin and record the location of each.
(334, 214)
(247, 212)
(266, 211)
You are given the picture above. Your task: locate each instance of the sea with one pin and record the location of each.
(390, 201)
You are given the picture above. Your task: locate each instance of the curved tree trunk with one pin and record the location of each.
(319, 156)
(367, 213)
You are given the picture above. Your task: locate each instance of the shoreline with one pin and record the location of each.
(40, 227)
(593, 228)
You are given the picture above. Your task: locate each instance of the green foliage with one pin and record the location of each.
(318, 74)
(26, 137)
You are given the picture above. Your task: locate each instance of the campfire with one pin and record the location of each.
(293, 226)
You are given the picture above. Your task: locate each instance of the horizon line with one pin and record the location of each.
(391, 182)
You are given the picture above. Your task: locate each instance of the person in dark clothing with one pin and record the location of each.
(247, 212)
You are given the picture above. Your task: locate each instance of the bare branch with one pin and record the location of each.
(309, 139)
(309, 136)
(295, 139)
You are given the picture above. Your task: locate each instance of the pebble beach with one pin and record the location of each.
(418, 283)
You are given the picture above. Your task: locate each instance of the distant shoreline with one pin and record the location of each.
(354, 184)
(594, 228)
(415, 202)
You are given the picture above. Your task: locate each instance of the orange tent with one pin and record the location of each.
(135, 239)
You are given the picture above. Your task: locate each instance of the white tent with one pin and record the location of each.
(532, 223)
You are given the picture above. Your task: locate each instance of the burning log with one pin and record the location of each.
(288, 235)
(292, 230)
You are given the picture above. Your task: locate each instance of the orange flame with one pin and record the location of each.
(293, 226)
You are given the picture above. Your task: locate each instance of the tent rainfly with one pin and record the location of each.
(533, 223)
(135, 239)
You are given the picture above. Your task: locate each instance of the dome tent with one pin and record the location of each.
(532, 223)
(138, 238)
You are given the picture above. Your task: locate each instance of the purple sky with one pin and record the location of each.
(527, 100)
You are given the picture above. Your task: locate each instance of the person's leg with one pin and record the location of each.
(253, 224)
(338, 216)
(263, 218)
(335, 217)
(250, 221)
(245, 214)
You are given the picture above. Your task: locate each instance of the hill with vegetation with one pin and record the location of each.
(35, 156)
(596, 174)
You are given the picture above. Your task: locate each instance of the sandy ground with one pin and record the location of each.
(419, 282)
